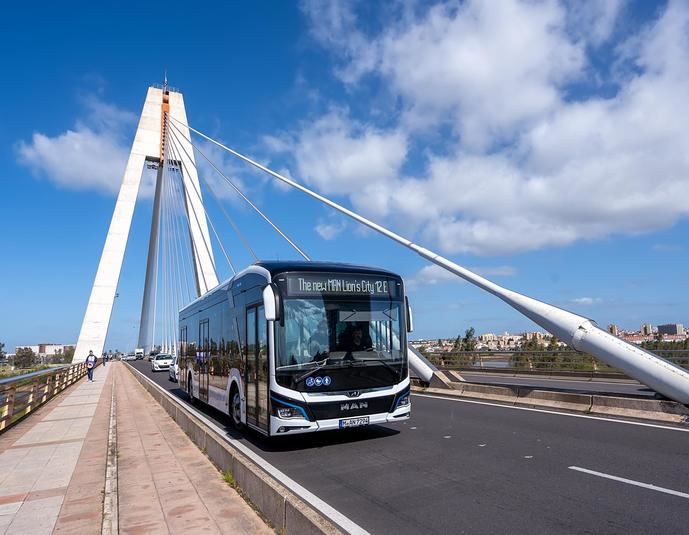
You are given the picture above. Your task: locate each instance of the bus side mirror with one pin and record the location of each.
(410, 318)
(270, 303)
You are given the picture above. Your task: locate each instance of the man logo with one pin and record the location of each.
(353, 405)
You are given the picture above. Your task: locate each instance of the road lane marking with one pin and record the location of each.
(323, 507)
(586, 416)
(631, 482)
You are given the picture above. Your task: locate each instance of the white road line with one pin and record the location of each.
(326, 510)
(631, 482)
(586, 416)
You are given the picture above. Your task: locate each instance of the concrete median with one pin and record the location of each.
(504, 394)
(284, 509)
(665, 411)
(645, 409)
(558, 400)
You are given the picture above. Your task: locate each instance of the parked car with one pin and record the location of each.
(161, 361)
(174, 370)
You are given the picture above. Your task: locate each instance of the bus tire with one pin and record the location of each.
(235, 407)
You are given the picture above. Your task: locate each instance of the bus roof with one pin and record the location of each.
(277, 266)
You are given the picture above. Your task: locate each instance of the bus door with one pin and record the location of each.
(202, 359)
(256, 379)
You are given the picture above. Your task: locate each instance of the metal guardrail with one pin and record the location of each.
(540, 362)
(23, 394)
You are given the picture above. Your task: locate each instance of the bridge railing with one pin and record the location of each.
(570, 363)
(23, 394)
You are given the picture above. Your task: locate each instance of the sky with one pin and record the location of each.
(542, 144)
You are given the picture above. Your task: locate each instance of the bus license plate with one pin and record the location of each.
(353, 422)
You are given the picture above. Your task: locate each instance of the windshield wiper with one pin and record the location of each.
(318, 366)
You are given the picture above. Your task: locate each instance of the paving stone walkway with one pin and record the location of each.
(53, 466)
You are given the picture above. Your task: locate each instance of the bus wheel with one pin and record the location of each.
(236, 407)
(190, 389)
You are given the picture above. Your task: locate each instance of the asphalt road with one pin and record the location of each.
(607, 386)
(462, 467)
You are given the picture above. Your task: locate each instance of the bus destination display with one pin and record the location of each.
(317, 285)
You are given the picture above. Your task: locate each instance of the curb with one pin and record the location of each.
(110, 523)
(644, 409)
(284, 509)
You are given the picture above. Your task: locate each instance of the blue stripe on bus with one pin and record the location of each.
(290, 405)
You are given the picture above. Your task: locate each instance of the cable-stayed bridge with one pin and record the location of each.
(180, 237)
(474, 457)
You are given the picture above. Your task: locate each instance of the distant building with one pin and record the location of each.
(646, 329)
(671, 328)
(47, 350)
(612, 329)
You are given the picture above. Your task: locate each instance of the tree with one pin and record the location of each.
(69, 353)
(24, 358)
(458, 344)
(469, 339)
(2, 351)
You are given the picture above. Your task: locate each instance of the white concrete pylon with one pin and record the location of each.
(146, 146)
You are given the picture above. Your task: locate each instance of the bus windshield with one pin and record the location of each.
(321, 332)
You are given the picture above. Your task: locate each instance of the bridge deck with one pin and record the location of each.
(465, 466)
(53, 463)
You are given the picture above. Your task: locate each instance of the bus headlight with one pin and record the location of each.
(288, 412)
(403, 402)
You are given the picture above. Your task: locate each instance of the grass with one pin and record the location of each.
(229, 478)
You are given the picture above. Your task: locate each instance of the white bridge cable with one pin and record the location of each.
(236, 188)
(194, 249)
(182, 279)
(184, 260)
(239, 233)
(174, 145)
(164, 263)
(216, 198)
(174, 261)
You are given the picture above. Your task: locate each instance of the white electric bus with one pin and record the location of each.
(295, 347)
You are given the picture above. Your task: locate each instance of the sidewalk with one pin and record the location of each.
(41, 490)
(53, 466)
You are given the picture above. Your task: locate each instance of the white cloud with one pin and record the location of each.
(90, 156)
(329, 231)
(525, 166)
(434, 274)
(340, 156)
(587, 301)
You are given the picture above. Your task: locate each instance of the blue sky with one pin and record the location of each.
(543, 144)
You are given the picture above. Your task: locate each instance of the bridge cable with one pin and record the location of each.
(232, 223)
(425, 253)
(179, 249)
(181, 242)
(174, 260)
(236, 188)
(180, 259)
(239, 233)
(174, 144)
(187, 205)
(194, 247)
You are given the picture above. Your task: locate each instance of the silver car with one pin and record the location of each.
(161, 361)
(174, 370)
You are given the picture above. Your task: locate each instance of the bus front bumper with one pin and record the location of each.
(280, 427)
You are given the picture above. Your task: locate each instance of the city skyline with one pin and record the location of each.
(525, 199)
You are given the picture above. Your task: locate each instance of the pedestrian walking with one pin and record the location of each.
(105, 359)
(90, 364)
